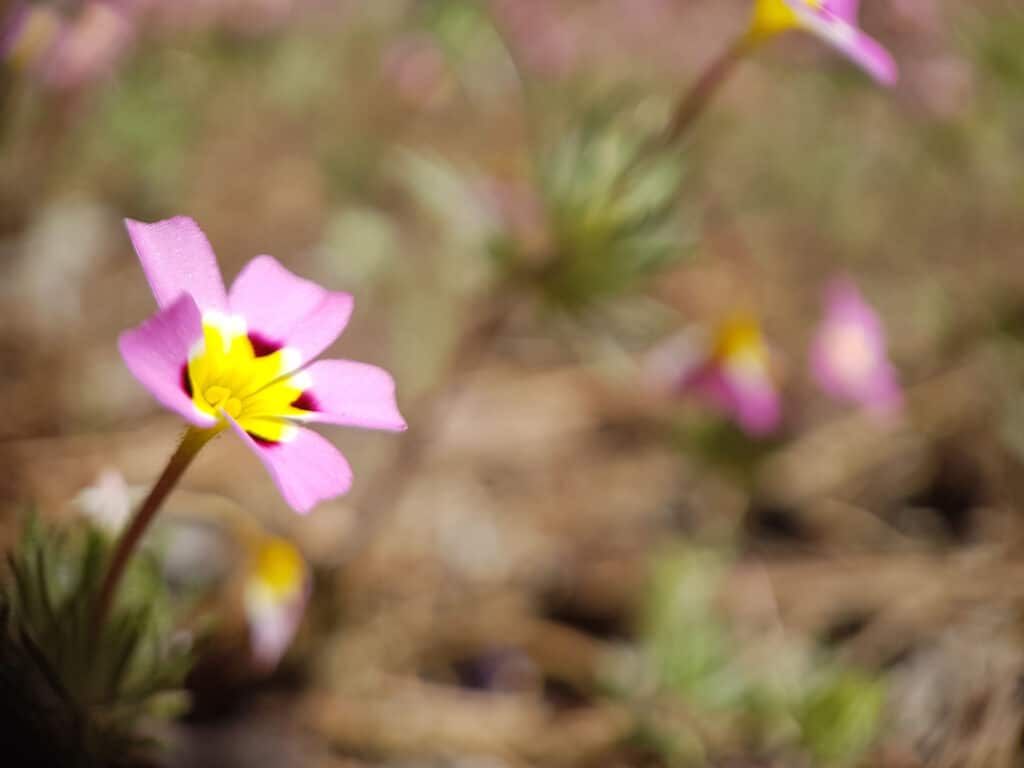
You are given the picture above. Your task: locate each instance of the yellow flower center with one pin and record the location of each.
(226, 376)
(38, 32)
(279, 568)
(739, 348)
(738, 336)
(772, 17)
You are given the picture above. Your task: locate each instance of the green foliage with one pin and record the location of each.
(839, 716)
(42, 724)
(141, 129)
(611, 202)
(463, 27)
(686, 643)
(109, 683)
(703, 692)
(724, 445)
(998, 41)
(610, 195)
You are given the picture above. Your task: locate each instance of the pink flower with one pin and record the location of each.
(28, 35)
(245, 358)
(542, 34)
(416, 67)
(834, 22)
(276, 591)
(848, 355)
(67, 49)
(731, 374)
(90, 45)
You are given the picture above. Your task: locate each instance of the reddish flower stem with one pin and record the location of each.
(696, 99)
(193, 440)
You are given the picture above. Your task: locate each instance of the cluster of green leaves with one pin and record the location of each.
(610, 195)
(94, 690)
(792, 701)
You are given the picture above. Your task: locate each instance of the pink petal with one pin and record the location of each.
(845, 36)
(157, 355)
(306, 468)
(286, 310)
(870, 378)
(271, 630)
(844, 9)
(877, 390)
(99, 35)
(752, 403)
(845, 304)
(177, 259)
(870, 56)
(12, 23)
(353, 394)
(757, 407)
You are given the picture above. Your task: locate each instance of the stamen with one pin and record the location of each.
(228, 379)
(215, 395)
(221, 397)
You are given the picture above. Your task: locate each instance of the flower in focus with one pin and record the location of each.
(276, 589)
(731, 373)
(245, 358)
(834, 22)
(848, 356)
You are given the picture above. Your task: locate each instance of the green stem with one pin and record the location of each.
(190, 445)
(696, 99)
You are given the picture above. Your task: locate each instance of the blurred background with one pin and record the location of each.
(563, 561)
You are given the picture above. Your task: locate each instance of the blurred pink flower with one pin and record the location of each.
(28, 35)
(732, 373)
(834, 22)
(542, 35)
(66, 49)
(848, 355)
(941, 84)
(245, 358)
(416, 67)
(247, 16)
(90, 45)
(276, 591)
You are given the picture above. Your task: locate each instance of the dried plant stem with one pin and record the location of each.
(190, 445)
(387, 489)
(696, 99)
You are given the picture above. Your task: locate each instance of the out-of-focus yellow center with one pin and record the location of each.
(38, 33)
(772, 17)
(227, 376)
(279, 568)
(740, 346)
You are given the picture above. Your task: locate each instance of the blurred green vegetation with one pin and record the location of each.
(778, 697)
(110, 684)
(407, 152)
